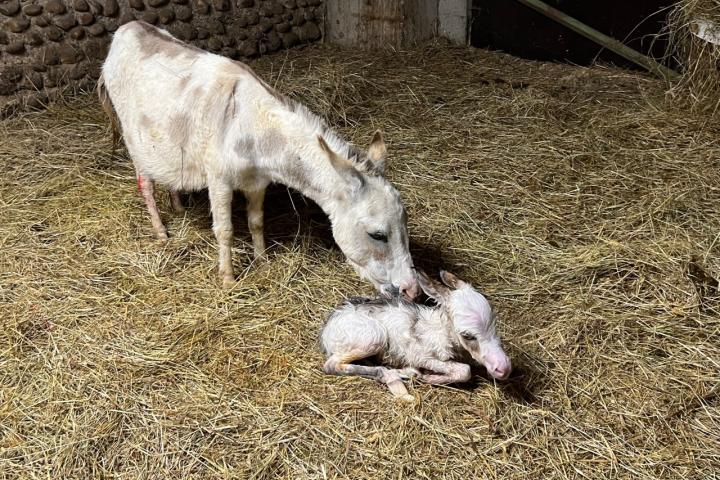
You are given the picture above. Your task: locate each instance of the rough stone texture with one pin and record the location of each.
(10, 8)
(32, 10)
(56, 7)
(150, 17)
(54, 34)
(97, 30)
(34, 39)
(77, 33)
(68, 54)
(184, 14)
(111, 8)
(15, 48)
(50, 56)
(166, 15)
(41, 21)
(85, 18)
(66, 22)
(81, 6)
(201, 6)
(50, 46)
(18, 24)
(221, 5)
(10, 80)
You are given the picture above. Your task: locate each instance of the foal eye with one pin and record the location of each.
(379, 236)
(467, 336)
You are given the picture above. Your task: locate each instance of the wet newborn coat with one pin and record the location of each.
(416, 340)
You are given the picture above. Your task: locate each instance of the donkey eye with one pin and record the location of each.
(379, 236)
(467, 336)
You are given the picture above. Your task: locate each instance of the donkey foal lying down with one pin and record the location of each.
(416, 340)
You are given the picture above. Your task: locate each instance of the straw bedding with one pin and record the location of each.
(583, 206)
(697, 59)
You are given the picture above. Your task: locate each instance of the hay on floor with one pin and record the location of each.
(697, 59)
(582, 205)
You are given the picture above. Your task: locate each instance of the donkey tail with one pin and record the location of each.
(109, 111)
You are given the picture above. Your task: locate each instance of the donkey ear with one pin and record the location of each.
(342, 165)
(432, 289)
(377, 151)
(451, 280)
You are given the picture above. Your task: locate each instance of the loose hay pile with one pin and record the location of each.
(583, 207)
(697, 59)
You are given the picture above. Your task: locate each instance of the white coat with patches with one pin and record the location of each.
(194, 120)
(409, 337)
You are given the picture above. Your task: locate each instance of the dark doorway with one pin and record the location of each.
(512, 27)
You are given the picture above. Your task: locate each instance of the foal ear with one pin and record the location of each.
(377, 151)
(451, 280)
(435, 290)
(342, 165)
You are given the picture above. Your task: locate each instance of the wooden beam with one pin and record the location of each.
(602, 39)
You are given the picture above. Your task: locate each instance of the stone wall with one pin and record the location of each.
(48, 46)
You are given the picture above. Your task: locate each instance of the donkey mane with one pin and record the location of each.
(358, 156)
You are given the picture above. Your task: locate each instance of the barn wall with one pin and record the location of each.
(380, 23)
(453, 20)
(49, 45)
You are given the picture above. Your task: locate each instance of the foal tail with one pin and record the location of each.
(109, 111)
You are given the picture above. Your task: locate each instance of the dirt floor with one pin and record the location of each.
(581, 201)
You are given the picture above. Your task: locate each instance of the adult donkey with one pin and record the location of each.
(194, 120)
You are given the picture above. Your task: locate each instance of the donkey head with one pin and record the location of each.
(472, 319)
(369, 222)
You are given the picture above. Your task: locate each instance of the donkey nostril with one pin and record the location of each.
(501, 372)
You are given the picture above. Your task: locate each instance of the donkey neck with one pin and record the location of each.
(307, 169)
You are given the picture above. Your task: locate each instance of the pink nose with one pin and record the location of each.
(410, 289)
(501, 370)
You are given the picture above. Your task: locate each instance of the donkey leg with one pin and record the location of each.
(176, 202)
(147, 190)
(447, 372)
(340, 365)
(221, 207)
(255, 200)
(408, 373)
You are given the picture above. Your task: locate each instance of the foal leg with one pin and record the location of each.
(221, 207)
(255, 199)
(147, 189)
(447, 372)
(339, 364)
(176, 202)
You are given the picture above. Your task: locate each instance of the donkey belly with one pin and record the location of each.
(174, 166)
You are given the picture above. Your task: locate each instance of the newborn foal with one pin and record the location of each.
(412, 337)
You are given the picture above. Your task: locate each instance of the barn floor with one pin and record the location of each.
(579, 200)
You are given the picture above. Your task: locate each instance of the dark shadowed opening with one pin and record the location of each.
(521, 31)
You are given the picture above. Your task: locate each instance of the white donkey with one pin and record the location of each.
(194, 120)
(408, 337)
